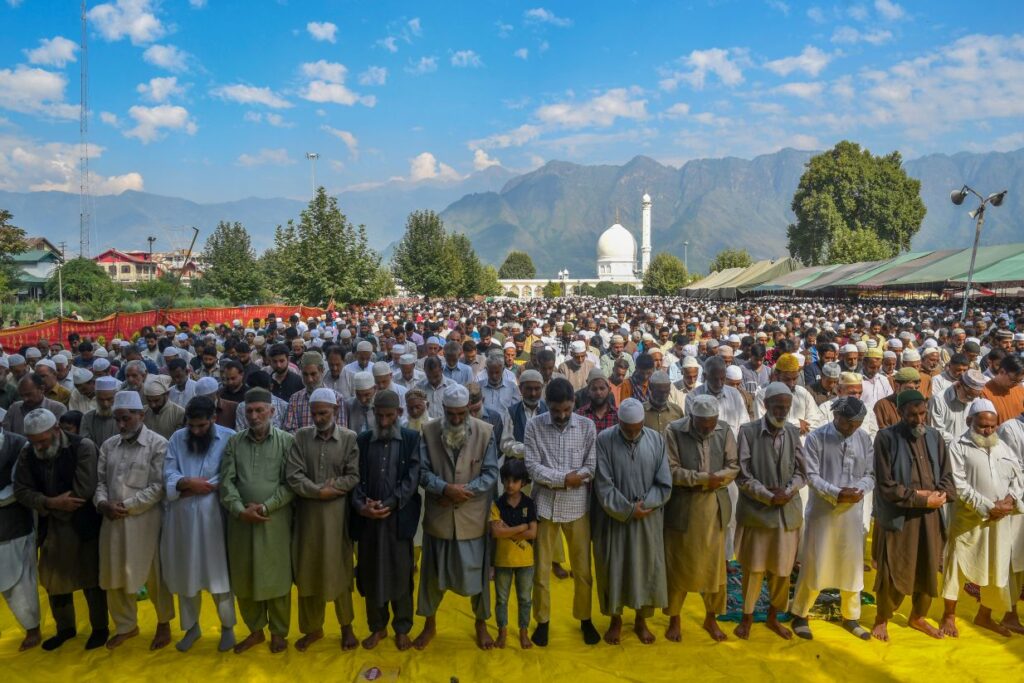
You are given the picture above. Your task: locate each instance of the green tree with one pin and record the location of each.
(85, 282)
(850, 203)
(231, 269)
(423, 261)
(517, 266)
(583, 290)
(730, 258)
(488, 284)
(665, 275)
(552, 290)
(12, 241)
(324, 257)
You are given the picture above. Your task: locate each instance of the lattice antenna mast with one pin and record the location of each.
(84, 190)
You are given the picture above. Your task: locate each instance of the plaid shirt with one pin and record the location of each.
(610, 419)
(298, 416)
(552, 453)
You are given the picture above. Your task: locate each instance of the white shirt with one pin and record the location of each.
(875, 389)
(731, 408)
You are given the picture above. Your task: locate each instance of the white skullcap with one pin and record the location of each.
(100, 365)
(4, 363)
(170, 328)
(776, 389)
(733, 373)
(980, 405)
(345, 334)
(930, 350)
(107, 383)
(862, 347)
(100, 352)
(725, 350)
(16, 359)
(407, 359)
(531, 376)
(704, 405)
(889, 354)
(181, 336)
(325, 395)
(690, 350)
(364, 347)
(931, 343)
(848, 348)
(894, 344)
(363, 381)
(509, 345)
(47, 363)
(380, 369)
(457, 396)
(38, 421)
(127, 400)
(578, 347)
(911, 355)
(690, 362)
(33, 352)
(436, 341)
(660, 377)
(398, 348)
(170, 352)
(631, 411)
(206, 386)
(81, 375)
(156, 385)
(734, 339)
(60, 359)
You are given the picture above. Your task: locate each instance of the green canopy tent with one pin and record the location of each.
(760, 272)
(954, 267)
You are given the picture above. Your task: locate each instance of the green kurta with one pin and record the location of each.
(259, 555)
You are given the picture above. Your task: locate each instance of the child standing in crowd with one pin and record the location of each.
(514, 526)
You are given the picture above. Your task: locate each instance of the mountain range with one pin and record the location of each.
(557, 212)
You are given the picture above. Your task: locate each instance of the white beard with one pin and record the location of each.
(778, 424)
(454, 437)
(988, 442)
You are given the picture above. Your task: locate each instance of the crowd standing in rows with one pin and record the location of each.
(648, 439)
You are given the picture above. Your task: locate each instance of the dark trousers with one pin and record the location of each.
(63, 609)
(377, 616)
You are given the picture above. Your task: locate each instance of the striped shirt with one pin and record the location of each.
(298, 415)
(552, 453)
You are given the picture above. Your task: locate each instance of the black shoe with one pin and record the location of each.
(801, 628)
(56, 641)
(98, 638)
(540, 635)
(590, 634)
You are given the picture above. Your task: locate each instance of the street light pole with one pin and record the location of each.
(958, 197)
(313, 156)
(686, 256)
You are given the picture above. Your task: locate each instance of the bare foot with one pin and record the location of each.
(402, 641)
(278, 644)
(119, 638)
(32, 639)
(502, 637)
(673, 633)
(483, 637)
(984, 619)
(772, 622)
(251, 640)
(303, 643)
(1012, 623)
(524, 639)
(711, 626)
(614, 632)
(948, 626)
(162, 638)
(642, 632)
(880, 632)
(371, 640)
(558, 571)
(743, 630)
(919, 624)
(426, 635)
(348, 638)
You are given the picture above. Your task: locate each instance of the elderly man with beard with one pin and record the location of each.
(129, 489)
(989, 489)
(840, 472)
(83, 395)
(731, 409)
(913, 481)
(904, 379)
(135, 374)
(387, 501)
(498, 385)
(690, 370)
(631, 486)
(18, 539)
(416, 407)
(322, 469)
(360, 407)
(459, 471)
(162, 416)
(769, 514)
(98, 424)
(30, 389)
(803, 414)
(577, 367)
(56, 477)
(703, 461)
(362, 363)
(659, 411)
(193, 549)
(947, 410)
(298, 413)
(258, 500)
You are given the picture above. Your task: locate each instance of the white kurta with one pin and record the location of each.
(731, 408)
(947, 414)
(1012, 434)
(193, 547)
(81, 402)
(832, 553)
(803, 408)
(875, 389)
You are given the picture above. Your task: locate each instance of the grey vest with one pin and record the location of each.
(771, 473)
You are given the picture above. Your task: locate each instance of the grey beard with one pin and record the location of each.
(454, 437)
(775, 422)
(389, 434)
(104, 412)
(990, 441)
(48, 453)
(530, 404)
(918, 431)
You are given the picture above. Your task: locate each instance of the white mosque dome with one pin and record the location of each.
(616, 244)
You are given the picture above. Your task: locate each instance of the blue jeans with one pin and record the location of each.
(503, 578)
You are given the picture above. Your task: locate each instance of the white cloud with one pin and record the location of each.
(390, 44)
(271, 118)
(323, 70)
(466, 58)
(770, 108)
(504, 30)
(250, 94)
(166, 57)
(803, 142)
(415, 27)
(816, 15)
(522, 53)
(197, 4)
(160, 89)
(805, 90)
(539, 15)
(889, 10)
(517, 137)
(726, 64)
(858, 12)
(481, 160)
(328, 85)
(56, 51)
(850, 35)
(425, 65)
(151, 121)
(350, 140)
(677, 110)
(322, 31)
(811, 61)
(842, 87)
(425, 166)
(35, 91)
(779, 6)
(374, 75)
(31, 165)
(277, 156)
(110, 119)
(15, 3)
(132, 19)
(536, 161)
(601, 110)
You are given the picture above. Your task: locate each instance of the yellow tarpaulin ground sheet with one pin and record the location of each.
(833, 655)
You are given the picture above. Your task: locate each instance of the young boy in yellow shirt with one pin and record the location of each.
(513, 526)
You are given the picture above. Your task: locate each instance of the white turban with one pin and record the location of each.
(733, 373)
(324, 395)
(631, 411)
(38, 421)
(156, 385)
(776, 389)
(978, 405)
(127, 400)
(362, 381)
(457, 396)
(107, 383)
(206, 386)
(704, 405)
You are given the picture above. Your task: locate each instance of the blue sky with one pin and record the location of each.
(217, 100)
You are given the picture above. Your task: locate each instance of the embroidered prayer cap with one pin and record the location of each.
(732, 373)
(455, 396)
(592, 376)
(532, 376)
(381, 369)
(363, 381)
(831, 370)
(259, 395)
(156, 385)
(206, 386)
(631, 411)
(324, 395)
(787, 363)
(907, 374)
(974, 379)
(850, 407)
(364, 347)
(660, 377)
(38, 421)
(386, 399)
(107, 383)
(776, 389)
(127, 400)
(311, 358)
(704, 405)
(978, 405)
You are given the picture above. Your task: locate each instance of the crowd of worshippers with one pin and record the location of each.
(641, 441)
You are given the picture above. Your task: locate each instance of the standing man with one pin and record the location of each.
(322, 468)
(659, 411)
(298, 413)
(18, 539)
(840, 472)
(913, 481)
(193, 547)
(129, 488)
(98, 424)
(703, 461)
(258, 501)
(459, 471)
(560, 457)
(162, 417)
(631, 485)
(387, 501)
(768, 513)
(56, 477)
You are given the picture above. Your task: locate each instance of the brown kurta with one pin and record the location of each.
(659, 420)
(885, 412)
(1008, 402)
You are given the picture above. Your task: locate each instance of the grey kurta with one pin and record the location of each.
(629, 554)
(321, 548)
(170, 419)
(98, 428)
(14, 420)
